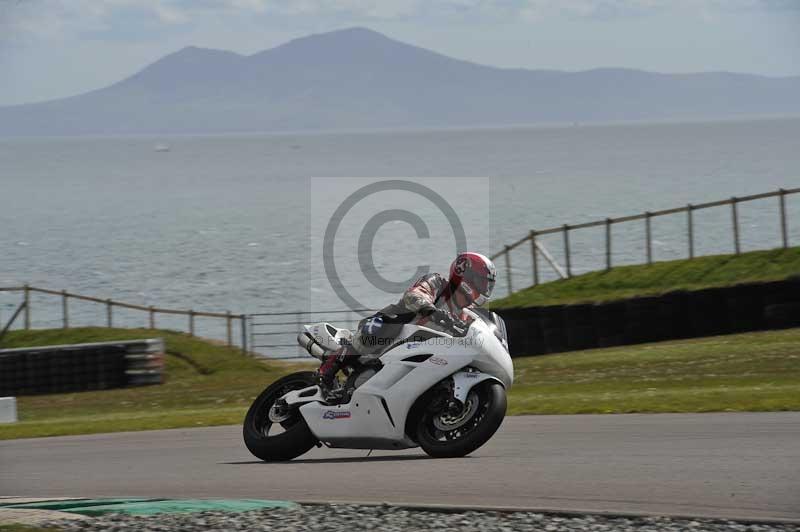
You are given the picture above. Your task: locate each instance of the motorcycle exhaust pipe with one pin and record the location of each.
(310, 344)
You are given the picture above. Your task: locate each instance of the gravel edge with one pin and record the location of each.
(340, 517)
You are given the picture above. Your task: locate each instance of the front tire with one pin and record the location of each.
(260, 433)
(478, 423)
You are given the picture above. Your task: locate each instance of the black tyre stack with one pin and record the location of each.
(81, 367)
(553, 325)
(782, 304)
(643, 320)
(745, 307)
(579, 324)
(523, 328)
(674, 315)
(708, 312)
(610, 321)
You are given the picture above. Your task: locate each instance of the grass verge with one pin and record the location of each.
(660, 277)
(208, 384)
(735, 373)
(25, 528)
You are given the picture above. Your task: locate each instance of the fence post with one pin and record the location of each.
(690, 229)
(299, 320)
(27, 307)
(10, 322)
(735, 220)
(534, 258)
(508, 270)
(567, 259)
(109, 318)
(608, 243)
(191, 323)
(64, 309)
(152, 317)
(251, 334)
(648, 237)
(242, 322)
(784, 231)
(228, 328)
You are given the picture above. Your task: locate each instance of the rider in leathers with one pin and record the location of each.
(432, 298)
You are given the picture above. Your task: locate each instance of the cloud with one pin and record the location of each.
(362, 8)
(388, 9)
(539, 9)
(22, 20)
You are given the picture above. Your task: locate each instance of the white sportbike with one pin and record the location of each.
(442, 390)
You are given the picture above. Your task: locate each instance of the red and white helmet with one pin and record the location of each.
(473, 275)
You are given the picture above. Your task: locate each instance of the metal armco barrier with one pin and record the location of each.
(674, 315)
(81, 367)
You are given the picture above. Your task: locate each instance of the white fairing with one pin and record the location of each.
(375, 417)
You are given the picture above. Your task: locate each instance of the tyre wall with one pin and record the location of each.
(81, 367)
(670, 316)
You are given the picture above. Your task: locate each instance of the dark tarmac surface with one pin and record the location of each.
(727, 465)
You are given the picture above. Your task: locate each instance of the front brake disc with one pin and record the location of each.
(447, 422)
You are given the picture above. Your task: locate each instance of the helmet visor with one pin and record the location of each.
(484, 284)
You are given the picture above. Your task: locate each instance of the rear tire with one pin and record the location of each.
(296, 439)
(468, 437)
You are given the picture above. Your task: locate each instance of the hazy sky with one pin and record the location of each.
(54, 48)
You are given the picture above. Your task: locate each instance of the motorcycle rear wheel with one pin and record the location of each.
(468, 434)
(296, 439)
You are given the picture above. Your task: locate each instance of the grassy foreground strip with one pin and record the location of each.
(208, 384)
(735, 373)
(660, 277)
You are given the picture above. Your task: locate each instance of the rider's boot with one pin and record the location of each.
(326, 376)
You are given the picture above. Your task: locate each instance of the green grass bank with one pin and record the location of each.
(206, 384)
(660, 277)
(209, 384)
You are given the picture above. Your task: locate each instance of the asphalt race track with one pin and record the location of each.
(714, 465)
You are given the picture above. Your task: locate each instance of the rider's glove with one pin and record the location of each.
(459, 326)
(441, 317)
(448, 321)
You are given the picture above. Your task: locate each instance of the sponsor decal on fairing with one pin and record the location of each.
(336, 414)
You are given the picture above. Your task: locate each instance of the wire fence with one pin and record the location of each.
(540, 255)
(24, 312)
(273, 334)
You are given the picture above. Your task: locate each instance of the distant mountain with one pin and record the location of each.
(357, 78)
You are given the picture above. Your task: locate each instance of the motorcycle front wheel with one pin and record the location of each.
(454, 434)
(274, 435)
